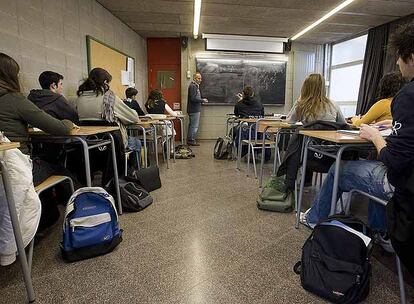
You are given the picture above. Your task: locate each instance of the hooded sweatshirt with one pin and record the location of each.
(16, 112)
(247, 107)
(54, 104)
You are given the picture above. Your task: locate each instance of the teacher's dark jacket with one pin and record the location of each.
(247, 107)
(194, 99)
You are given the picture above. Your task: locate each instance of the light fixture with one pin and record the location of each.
(332, 12)
(197, 14)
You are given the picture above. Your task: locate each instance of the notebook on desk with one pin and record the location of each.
(384, 133)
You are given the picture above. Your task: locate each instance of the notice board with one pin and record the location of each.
(101, 55)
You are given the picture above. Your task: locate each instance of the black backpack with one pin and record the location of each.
(223, 148)
(335, 262)
(134, 197)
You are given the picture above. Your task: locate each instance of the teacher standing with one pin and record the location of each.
(194, 108)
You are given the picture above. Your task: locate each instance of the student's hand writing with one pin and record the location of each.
(205, 100)
(386, 124)
(368, 132)
(75, 127)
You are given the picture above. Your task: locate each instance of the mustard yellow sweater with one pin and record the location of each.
(381, 110)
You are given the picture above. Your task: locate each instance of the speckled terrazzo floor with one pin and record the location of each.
(202, 241)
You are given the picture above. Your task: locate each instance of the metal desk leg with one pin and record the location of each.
(155, 143)
(167, 143)
(173, 139)
(118, 194)
(262, 158)
(277, 152)
(144, 134)
(248, 149)
(17, 233)
(302, 181)
(334, 199)
(85, 149)
(181, 119)
(239, 146)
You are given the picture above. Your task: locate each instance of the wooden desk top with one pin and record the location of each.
(83, 131)
(8, 145)
(334, 136)
(274, 126)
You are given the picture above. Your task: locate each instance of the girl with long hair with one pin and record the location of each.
(313, 104)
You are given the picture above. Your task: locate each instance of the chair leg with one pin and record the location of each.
(126, 164)
(400, 280)
(30, 255)
(254, 163)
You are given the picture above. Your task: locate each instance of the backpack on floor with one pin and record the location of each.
(91, 225)
(134, 197)
(272, 198)
(223, 149)
(335, 261)
(183, 152)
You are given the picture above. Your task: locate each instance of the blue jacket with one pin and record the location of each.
(194, 99)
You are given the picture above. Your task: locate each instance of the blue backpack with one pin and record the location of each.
(91, 225)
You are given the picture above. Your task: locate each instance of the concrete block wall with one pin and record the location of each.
(51, 35)
(213, 118)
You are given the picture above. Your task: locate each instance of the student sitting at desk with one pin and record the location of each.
(130, 101)
(389, 86)
(313, 104)
(389, 175)
(247, 105)
(16, 113)
(157, 105)
(50, 98)
(96, 102)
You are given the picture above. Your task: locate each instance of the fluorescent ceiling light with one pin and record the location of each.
(332, 12)
(197, 14)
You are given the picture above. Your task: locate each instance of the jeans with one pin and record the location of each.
(193, 126)
(365, 175)
(134, 144)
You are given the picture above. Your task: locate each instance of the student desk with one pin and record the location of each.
(164, 122)
(276, 127)
(145, 126)
(341, 142)
(181, 119)
(250, 122)
(15, 221)
(81, 136)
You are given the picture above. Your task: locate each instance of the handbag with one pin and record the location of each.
(148, 178)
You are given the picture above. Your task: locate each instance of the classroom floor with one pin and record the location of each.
(202, 241)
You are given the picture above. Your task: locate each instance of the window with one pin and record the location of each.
(345, 73)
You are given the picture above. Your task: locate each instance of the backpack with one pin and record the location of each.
(272, 197)
(91, 225)
(335, 261)
(134, 197)
(183, 152)
(223, 149)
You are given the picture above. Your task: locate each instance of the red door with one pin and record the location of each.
(164, 71)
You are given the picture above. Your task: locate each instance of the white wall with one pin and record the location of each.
(51, 35)
(213, 118)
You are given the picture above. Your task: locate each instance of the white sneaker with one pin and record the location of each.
(303, 219)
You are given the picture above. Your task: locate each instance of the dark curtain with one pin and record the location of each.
(372, 70)
(390, 57)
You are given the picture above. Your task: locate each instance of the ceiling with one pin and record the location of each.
(277, 18)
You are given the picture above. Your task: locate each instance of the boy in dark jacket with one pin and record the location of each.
(248, 106)
(130, 101)
(50, 98)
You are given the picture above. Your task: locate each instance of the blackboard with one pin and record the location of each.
(224, 78)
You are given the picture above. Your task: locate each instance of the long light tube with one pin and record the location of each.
(197, 15)
(332, 12)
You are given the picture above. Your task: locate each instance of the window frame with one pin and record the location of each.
(331, 67)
